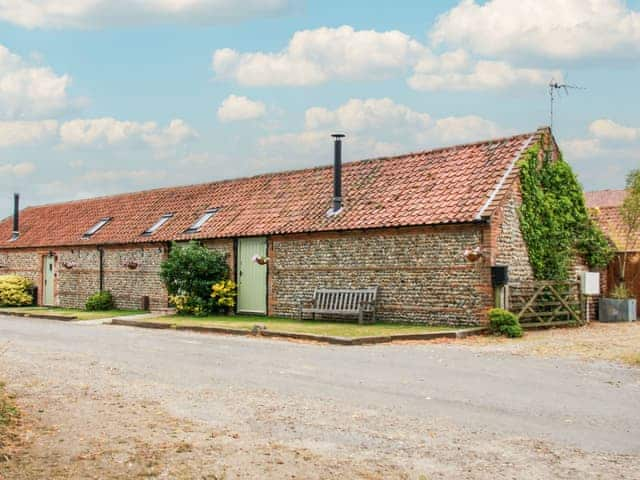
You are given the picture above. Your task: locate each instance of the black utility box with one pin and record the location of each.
(499, 275)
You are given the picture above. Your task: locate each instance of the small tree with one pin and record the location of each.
(630, 213)
(192, 269)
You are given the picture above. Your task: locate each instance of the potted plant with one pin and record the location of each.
(621, 305)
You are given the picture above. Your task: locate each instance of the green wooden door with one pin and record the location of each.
(49, 279)
(252, 278)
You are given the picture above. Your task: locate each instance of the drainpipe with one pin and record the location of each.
(337, 173)
(16, 216)
(101, 267)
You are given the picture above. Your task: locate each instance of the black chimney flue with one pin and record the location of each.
(337, 172)
(16, 216)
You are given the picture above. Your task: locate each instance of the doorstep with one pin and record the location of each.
(370, 340)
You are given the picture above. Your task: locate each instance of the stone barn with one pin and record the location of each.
(424, 227)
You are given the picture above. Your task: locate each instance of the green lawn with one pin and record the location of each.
(72, 312)
(334, 329)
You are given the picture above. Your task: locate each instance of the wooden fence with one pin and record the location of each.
(547, 303)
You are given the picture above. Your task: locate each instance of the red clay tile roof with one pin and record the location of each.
(449, 185)
(604, 198)
(605, 205)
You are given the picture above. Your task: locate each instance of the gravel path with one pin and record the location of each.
(113, 402)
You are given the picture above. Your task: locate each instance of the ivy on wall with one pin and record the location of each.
(554, 220)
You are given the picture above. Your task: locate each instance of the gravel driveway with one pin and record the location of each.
(112, 402)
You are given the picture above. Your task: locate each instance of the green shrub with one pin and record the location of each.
(15, 291)
(224, 295)
(189, 274)
(503, 322)
(100, 301)
(554, 220)
(190, 305)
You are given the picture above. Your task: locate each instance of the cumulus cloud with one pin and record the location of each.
(137, 177)
(562, 29)
(104, 13)
(29, 91)
(176, 133)
(110, 131)
(358, 115)
(234, 108)
(375, 127)
(17, 169)
(315, 56)
(26, 132)
(581, 148)
(609, 130)
(456, 71)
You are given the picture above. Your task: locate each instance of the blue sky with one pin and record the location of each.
(106, 96)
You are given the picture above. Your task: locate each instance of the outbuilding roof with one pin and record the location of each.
(605, 209)
(457, 184)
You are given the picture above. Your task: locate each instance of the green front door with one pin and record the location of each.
(49, 278)
(252, 277)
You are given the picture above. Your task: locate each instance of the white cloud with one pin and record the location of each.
(456, 71)
(28, 91)
(581, 148)
(137, 177)
(374, 127)
(464, 129)
(26, 132)
(315, 56)
(387, 119)
(235, 108)
(563, 29)
(609, 130)
(17, 169)
(110, 131)
(373, 113)
(176, 133)
(102, 131)
(104, 13)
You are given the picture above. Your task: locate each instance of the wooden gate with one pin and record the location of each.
(547, 303)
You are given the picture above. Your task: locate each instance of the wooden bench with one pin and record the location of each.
(350, 302)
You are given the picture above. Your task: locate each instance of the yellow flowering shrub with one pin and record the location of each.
(14, 291)
(224, 294)
(188, 305)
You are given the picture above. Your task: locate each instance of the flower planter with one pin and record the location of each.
(614, 310)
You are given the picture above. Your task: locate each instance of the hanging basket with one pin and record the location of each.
(260, 260)
(69, 265)
(473, 254)
(132, 265)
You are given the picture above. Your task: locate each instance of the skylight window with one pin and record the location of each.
(204, 218)
(163, 219)
(89, 233)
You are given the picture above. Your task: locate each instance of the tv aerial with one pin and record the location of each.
(555, 89)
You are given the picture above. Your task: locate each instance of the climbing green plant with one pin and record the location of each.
(554, 219)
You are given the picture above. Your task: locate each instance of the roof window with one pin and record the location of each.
(89, 233)
(197, 225)
(161, 221)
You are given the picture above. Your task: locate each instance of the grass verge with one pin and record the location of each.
(333, 329)
(72, 312)
(9, 415)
